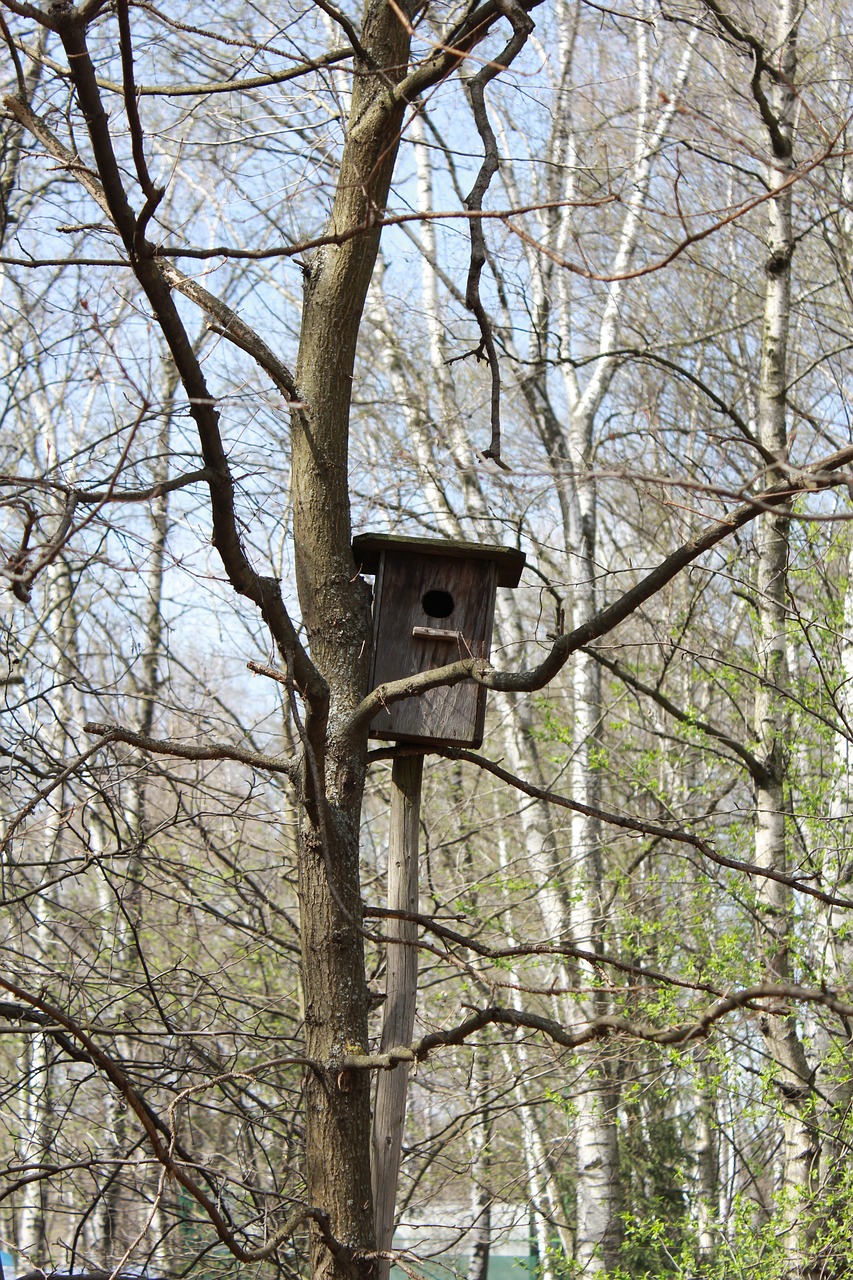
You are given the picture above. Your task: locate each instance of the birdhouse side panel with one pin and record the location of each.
(431, 611)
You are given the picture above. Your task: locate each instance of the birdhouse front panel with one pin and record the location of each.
(431, 610)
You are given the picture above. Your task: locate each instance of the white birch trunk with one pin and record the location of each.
(703, 1141)
(599, 1192)
(480, 1144)
(35, 1149)
(793, 1080)
(833, 945)
(37, 1138)
(830, 1043)
(543, 1195)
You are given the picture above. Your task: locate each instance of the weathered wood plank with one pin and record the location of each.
(418, 594)
(401, 982)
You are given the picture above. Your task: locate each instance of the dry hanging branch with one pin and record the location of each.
(522, 26)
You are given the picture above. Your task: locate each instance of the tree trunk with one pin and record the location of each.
(793, 1077)
(481, 1159)
(543, 1195)
(38, 943)
(599, 1191)
(36, 1143)
(336, 614)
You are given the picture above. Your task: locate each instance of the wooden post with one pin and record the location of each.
(401, 986)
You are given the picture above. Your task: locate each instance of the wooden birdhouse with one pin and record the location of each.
(433, 603)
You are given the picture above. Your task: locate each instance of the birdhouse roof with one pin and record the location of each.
(367, 548)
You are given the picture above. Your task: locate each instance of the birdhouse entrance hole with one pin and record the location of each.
(427, 581)
(438, 604)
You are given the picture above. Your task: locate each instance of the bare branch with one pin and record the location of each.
(452, 50)
(202, 88)
(812, 479)
(153, 195)
(522, 949)
(819, 476)
(753, 764)
(184, 751)
(760, 66)
(642, 828)
(790, 178)
(156, 280)
(156, 1131)
(348, 29)
(62, 776)
(611, 1025)
(522, 26)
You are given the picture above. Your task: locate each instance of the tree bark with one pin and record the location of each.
(480, 1235)
(38, 944)
(775, 923)
(335, 605)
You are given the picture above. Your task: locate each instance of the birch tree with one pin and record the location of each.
(771, 723)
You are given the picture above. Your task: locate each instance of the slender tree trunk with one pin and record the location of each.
(833, 944)
(599, 1191)
(438, 402)
(481, 1162)
(38, 1135)
(831, 1044)
(706, 1160)
(793, 1078)
(543, 1196)
(12, 140)
(35, 1148)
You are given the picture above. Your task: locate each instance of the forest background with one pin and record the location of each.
(568, 277)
